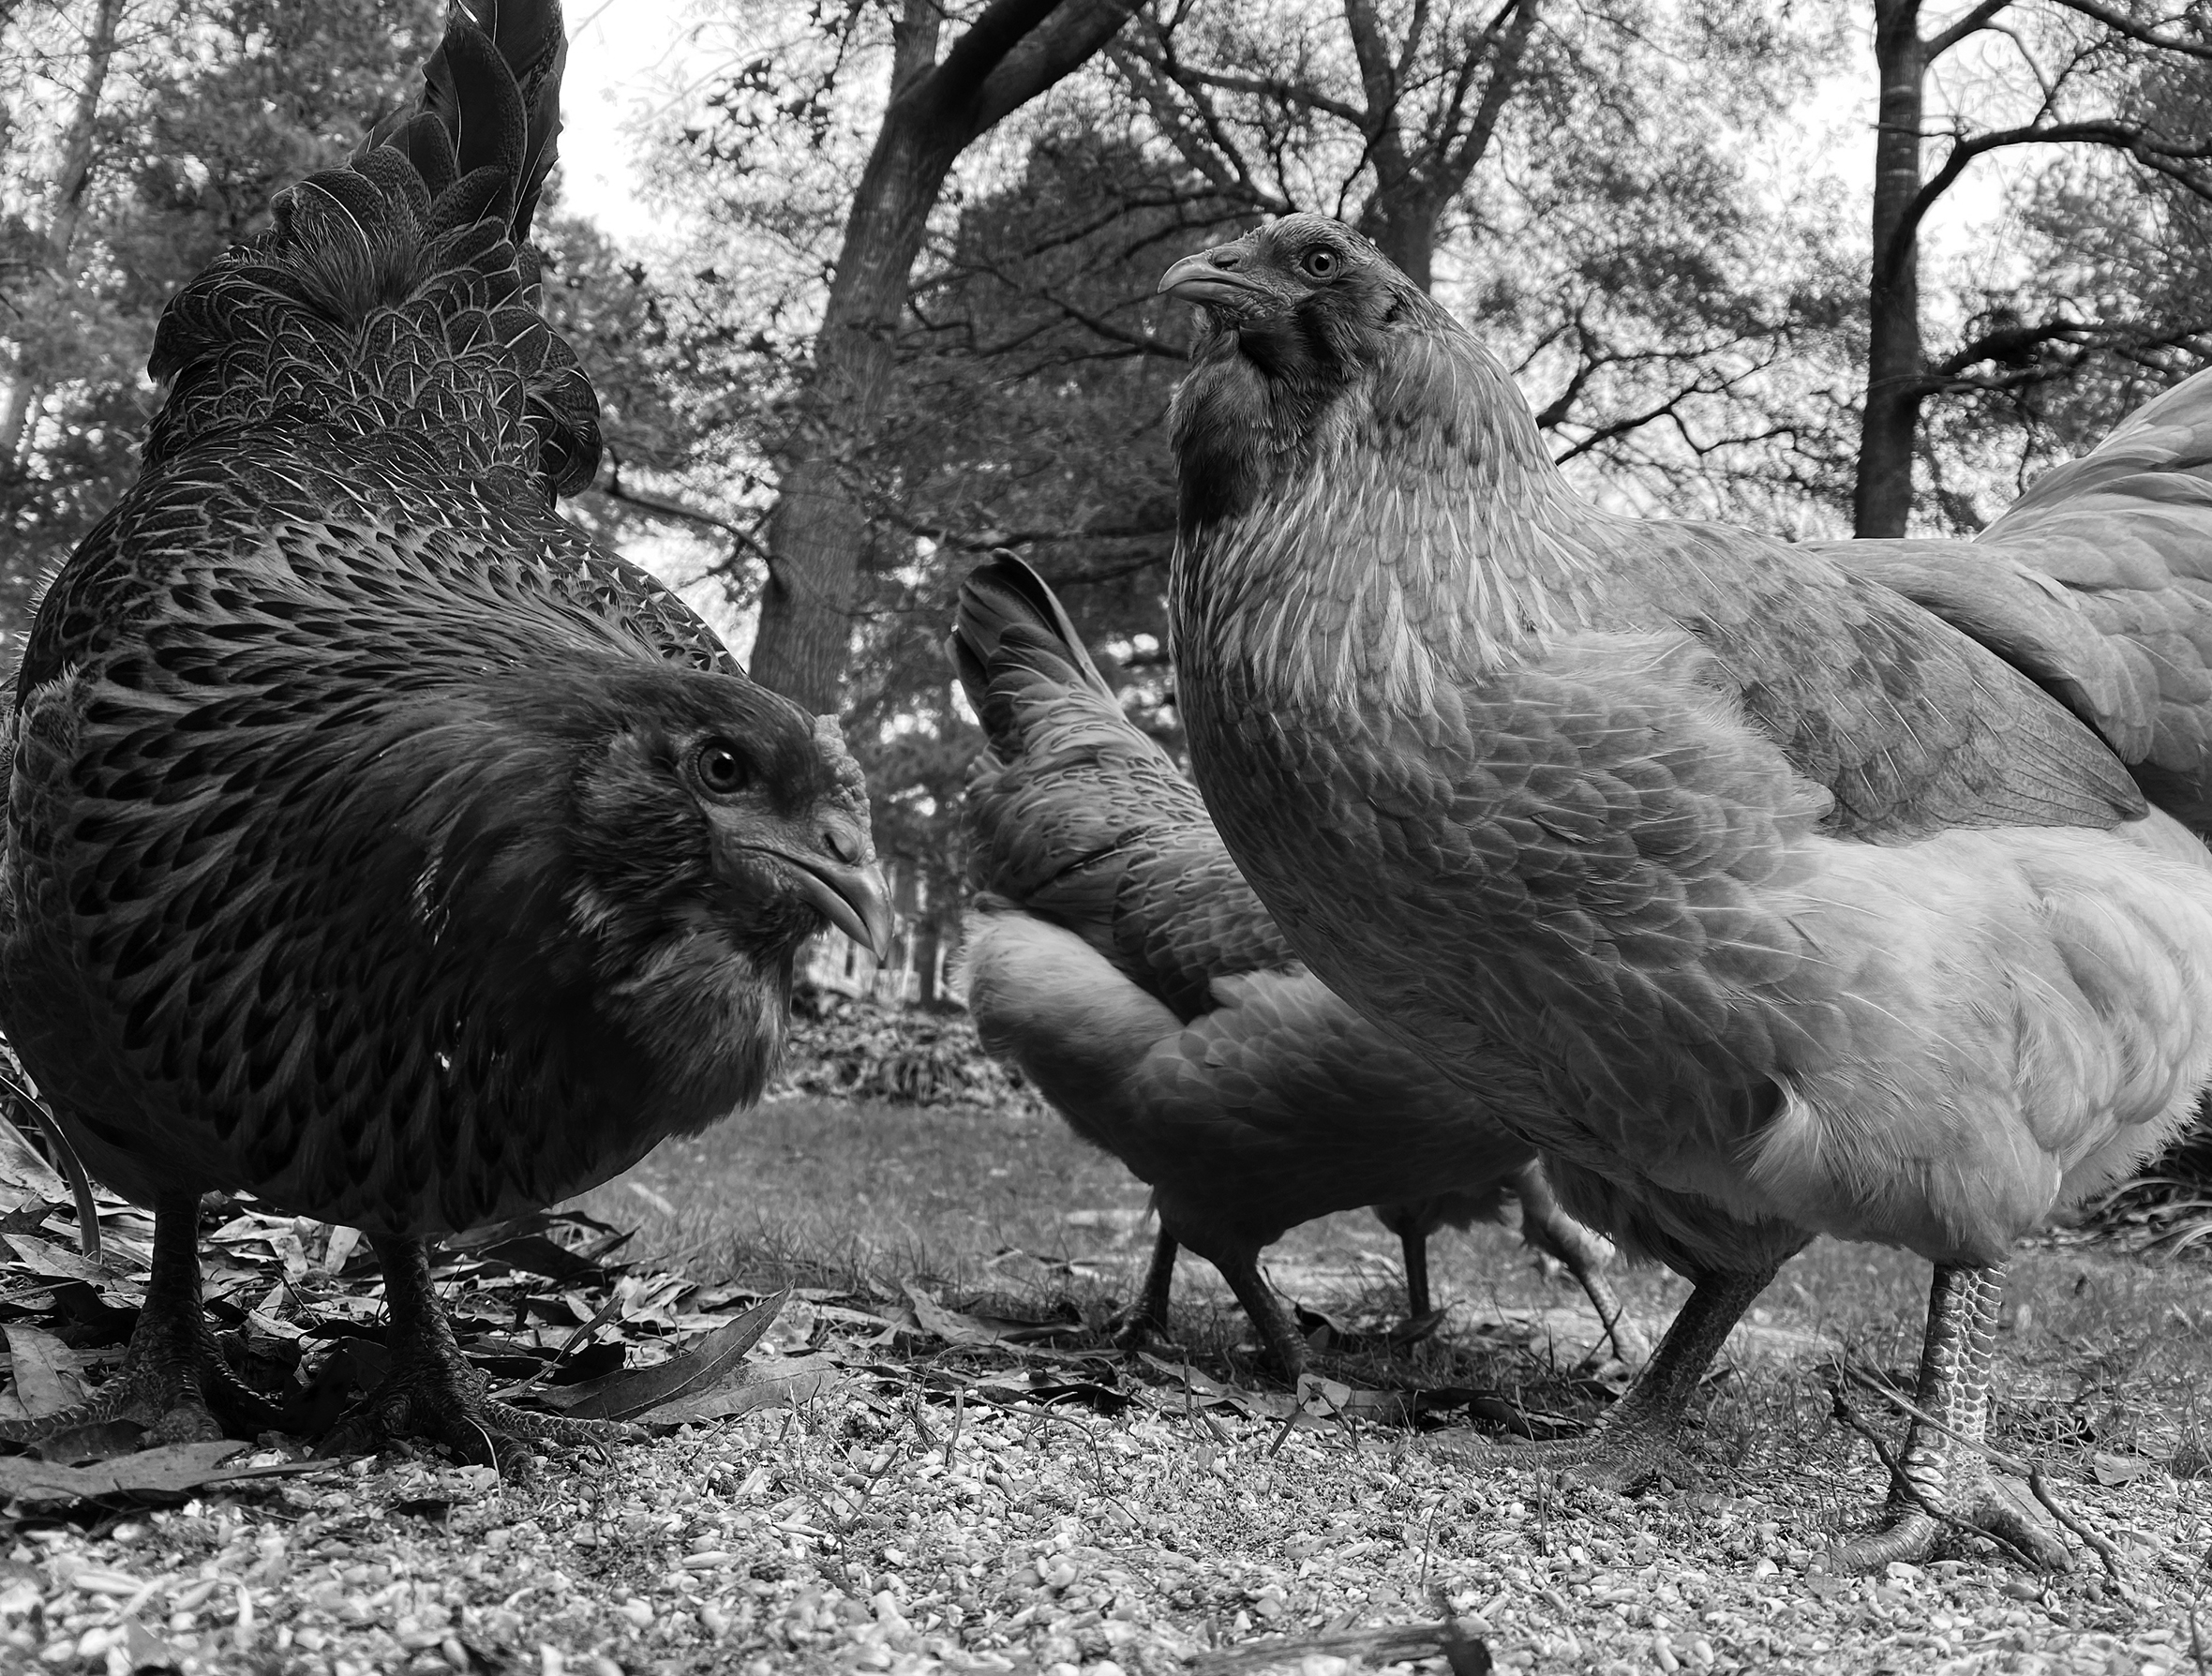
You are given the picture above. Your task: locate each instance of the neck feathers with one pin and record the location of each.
(1407, 531)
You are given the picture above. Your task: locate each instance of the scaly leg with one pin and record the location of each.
(1412, 1220)
(173, 1380)
(432, 1391)
(1277, 1331)
(1149, 1313)
(1551, 1230)
(1636, 1439)
(1413, 1240)
(1945, 1471)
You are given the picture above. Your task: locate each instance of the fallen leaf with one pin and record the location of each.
(539, 1255)
(143, 1650)
(698, 1369)
(765, 1384)
(44, 1370)
(102, 1440)
(2118, 1469)
(172, 1470)
(43, 1257)
(23, 1170)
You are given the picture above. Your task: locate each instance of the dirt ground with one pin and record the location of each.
(976, 1506)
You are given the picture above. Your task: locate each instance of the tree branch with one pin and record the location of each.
(1048, 54)
(2120, 24)
(2158, 156)
(1935, 46)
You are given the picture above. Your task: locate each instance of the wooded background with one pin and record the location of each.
(902, 311)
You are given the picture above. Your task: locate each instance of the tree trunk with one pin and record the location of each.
(1014, 51)
(1896, 376)
(69, 183)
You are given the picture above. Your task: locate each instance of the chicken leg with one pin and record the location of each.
(1943, 1465)
(1149, 1313)
(173, 1380)
(1240, 1267)
(1414, 1241)
(432, 1392)
(1635, 1438)
(1552, 1230)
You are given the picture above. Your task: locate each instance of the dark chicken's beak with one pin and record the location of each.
(856, 900)
(1213, 280)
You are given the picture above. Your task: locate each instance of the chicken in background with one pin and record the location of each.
(1813, 913)
(374, 844)
(1116, 956)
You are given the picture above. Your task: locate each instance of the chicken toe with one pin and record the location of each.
(173, 1380)
(1947, 1481)
(431, 1392)
(1635, 1442)
(1148, 1315)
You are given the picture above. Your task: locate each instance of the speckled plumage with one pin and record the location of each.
(1810, 912)
(374, 844)
(1119, 957)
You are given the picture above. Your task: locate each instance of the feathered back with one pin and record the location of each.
(1078, 816)
(2097, 583)
(396, 293)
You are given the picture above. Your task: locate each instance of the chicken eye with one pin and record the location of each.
(1320, 263)
(720, 768)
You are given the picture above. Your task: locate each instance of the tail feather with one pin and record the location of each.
(1013, 645)
(1075, 815)
(405, 273)
(491, 100)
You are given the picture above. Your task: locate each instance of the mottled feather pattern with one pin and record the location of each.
(396, 293)
(1118, 956)
(1815, 912)
(353, 661)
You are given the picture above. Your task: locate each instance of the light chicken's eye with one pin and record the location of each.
(720, 768)
(1321, 264)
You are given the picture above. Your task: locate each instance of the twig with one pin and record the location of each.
(1910, 1491)
(2107, 1555)
(1386, 1639)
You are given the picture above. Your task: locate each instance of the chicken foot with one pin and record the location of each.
(1942, 1464)
(431, 1392)
(1149, 1313)
(1634, 1440)
(1556, 1233)
(173, 1380)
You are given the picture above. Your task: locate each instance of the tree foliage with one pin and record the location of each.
(205, 109)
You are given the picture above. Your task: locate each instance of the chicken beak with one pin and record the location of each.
(1206, 280)
(856, 900)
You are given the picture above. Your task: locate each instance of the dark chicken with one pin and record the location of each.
(375, 844)
(1116, 954)
(1811, 912)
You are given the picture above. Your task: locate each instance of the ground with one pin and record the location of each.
(936, 1507)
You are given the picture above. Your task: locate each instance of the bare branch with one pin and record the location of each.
(2120, 24)
(1935, 46)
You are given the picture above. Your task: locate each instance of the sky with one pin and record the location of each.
(627, 61)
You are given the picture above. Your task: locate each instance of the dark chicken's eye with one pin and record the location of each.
(720, 768)
(1320, 263)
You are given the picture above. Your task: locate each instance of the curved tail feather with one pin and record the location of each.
(1078, 816)
(395, 293)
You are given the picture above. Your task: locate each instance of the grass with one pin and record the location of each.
(2103, 1354)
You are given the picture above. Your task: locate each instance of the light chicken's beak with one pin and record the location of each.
(1206, 280)
(856, 900)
